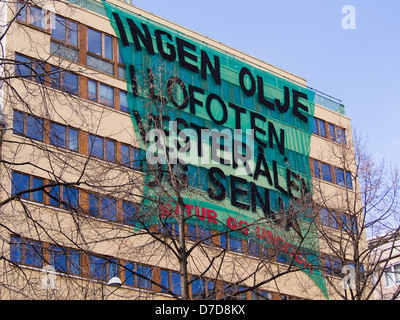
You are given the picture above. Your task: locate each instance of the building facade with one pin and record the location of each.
(90, 194)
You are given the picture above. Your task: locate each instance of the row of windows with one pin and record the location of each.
(329, 131)
(327, 172)
(74, 262)
(70, 198)
(70, 82)
(392, 275)
(101, 50)
(337, 220)
(67, 137)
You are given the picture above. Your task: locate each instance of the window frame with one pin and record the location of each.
(31, 185)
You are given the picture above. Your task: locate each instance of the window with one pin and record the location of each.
(96, 146)
(29, 68)
(65, 260)
(171, 281)
(31, 15)
(256, 249)
(326, 172)
(228, 242)
(123, 101)
(332, 174)
(139, 280)
(28, 125)
(64, 80)
(339, 177)
(202, 289)
(64, 196)
(333, 265)
(348, 223)
(392, 275)
(128, 213)
(104, 207)
(102, 269)
(64, 39)
(200, 233)
(328, 218)
(23, 182)
(63, 136)
(144, 276)
(26, 252)
(100, 51)
(102, 148)
(329, 130)
(65, 31)
(100, 93)
(260, 295)
(131, 157)
(319, 127)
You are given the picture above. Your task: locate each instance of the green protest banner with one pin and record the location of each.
(240, 134)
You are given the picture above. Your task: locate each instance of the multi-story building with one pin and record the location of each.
(387, 266)
(78, 209)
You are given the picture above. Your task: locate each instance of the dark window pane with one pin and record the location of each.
(128, 213)
(33, 254)
(164, 280)
(96, 146)
(341, 136)
(74, 262)
(315, 129)
(18, 122)
(199, 289)
(36, 17)
(106, 95)
(235, 245)
(58, 259)
(129, 275)
(332, 132)
(59, 30)
(125, 155)
(123, 101)
(58, 134)
(16, 250)
(205, 233)
(176, 283)
(24, 66)
(93, 204)
(144, 282)
(70, 82)
(37, 195)
(97, 267)
(34, 127)
(20, 182)
(108, 47)
(322, 130)
(73, 139)
(137, 162)
(22, 11)
(70, 197)
(55, 78)
(192, 232)
(92, 90)
(339, 176)
(55, 196)
(94, 41)
(349, 182)
(110, 150)
(317, 171)
(73, 33)
(326, 172)
(108, 208)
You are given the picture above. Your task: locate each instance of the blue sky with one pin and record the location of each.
(361, 67)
